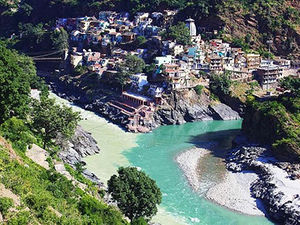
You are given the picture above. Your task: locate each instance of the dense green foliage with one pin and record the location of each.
(134, 64)
(136, 193)
(52, 120)
(139, 221)
(17, 132)
(220, 84)
(179, 32)
(277, 122)
(50, 197)
(60, 39)
(5, 205)
(198, 89)
(99, 213)
(16, 75)
(292, 84)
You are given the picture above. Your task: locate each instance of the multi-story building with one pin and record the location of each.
(269, 76)
(252, 61)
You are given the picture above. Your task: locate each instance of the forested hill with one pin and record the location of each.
(244, 22)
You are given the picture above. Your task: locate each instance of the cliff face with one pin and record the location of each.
(186, 106)
(270, 123)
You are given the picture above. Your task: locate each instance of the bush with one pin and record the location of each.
(38, 202)
(21, 218)
(5, 205)
(98, 213)
(139, 221)
(198, 89)
(17, 132)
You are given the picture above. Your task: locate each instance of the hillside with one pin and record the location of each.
(245, 23)
(30, 194)
(275, 123)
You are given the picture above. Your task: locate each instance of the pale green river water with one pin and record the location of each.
(154, 153)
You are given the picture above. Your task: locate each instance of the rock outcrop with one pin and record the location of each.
(186, 106)
(82, 144)
(279, 193)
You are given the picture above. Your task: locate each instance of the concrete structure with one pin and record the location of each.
(190, 23)
(253, 61)
(269, 76)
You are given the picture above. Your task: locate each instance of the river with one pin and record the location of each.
(154, 153)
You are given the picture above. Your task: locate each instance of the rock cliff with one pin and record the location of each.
(179, 106)
(187, 106)
(82, 144)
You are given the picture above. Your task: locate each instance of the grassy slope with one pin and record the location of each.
(46, 196)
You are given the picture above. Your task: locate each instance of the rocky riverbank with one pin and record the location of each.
(180, 106)
(275, 187)
(82, 144)
(187, 106)
(233, 191)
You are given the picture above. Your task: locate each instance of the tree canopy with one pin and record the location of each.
(60, 39)
(136, 193)
(292, 84)
(16, 74)
(51, 120)
(220, 84)
(134, 64)
(179, 32)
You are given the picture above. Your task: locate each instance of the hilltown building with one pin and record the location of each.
(113, 36)
(268, 76)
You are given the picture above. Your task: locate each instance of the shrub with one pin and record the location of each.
(5, 205)
(17, 132)
(139, 221)
(198, 89)
(21, 218)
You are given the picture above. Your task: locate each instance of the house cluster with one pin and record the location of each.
(176, 65)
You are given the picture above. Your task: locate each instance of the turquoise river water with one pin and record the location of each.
(154, 153)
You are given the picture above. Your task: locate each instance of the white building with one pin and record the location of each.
(190, 23)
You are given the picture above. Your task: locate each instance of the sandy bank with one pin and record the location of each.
(188, 161)
(234, 193)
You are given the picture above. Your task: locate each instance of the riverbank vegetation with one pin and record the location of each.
(45, 196)
(277, 122)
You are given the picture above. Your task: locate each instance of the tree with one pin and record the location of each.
(134, 64)
(292, 84)
(60, 39)
(179, 32)
(32, 34)
(220, 84)
(16, 75)
(136, 193)
(52, 120)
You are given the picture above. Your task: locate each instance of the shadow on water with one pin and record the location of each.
(223, 140)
